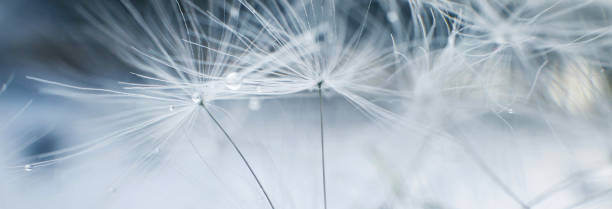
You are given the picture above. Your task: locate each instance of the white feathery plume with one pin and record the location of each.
(183, 66)
(526, 43)
(450, 86)
(312, 46)
(529, 29)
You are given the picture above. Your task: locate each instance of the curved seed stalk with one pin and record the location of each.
(244, 160)
(322, 146)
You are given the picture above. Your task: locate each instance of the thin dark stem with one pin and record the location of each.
(241, 156)
(322, 146)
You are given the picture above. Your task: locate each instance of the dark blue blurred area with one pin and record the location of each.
(48, 39)
(39, 38)
(36, 38)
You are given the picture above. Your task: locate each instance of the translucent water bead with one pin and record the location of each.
(233, 81)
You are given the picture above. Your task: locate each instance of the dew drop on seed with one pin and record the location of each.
(196, 98)
(27, 167)
(233, 81)
(254, 104)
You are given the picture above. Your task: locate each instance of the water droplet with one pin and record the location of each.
(171, 108)
(258, 89)
(392, 16)
(196, 98)
(27, 167)
(510, 111)
(233, 81)
(254, 104)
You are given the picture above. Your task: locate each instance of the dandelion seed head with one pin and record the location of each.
(506, 34)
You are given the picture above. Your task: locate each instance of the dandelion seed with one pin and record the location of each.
(350, 60)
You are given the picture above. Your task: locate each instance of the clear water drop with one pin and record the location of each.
(233, 81)
(254, 104)
(171, 108)
(27, 167)
(196, 98)
(258, 89)
(510, 111)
